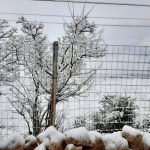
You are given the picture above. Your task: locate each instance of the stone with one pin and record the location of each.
(134, 138)
(30, 143)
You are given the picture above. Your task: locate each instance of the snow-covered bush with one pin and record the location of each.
(145, 124)
(114, 113)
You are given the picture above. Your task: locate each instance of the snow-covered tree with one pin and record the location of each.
(114, 113)
(80, 42)
(8, 56)
(28, 96)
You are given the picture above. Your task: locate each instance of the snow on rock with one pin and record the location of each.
(40, 147)
(97, 140)
(146, 139)
(30, 138)
(14, 141)
(73, 147)
(44, 145)
(94, 135)
(70, 147)
(78, 136)
(134, 137)
(30, 143)
(132, 131)
(115, 141)
(52, 134)
(51, 139)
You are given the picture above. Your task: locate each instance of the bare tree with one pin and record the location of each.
(80, 42)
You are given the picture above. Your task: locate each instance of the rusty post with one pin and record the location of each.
(52, 114)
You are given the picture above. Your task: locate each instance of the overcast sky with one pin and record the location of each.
(112, 35)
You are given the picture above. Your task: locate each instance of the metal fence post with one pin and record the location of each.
(54, 85)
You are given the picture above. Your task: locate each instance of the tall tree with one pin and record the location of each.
(80, 42)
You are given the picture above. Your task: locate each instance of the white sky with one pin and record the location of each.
(112, 35)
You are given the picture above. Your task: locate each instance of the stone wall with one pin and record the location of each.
(80, 139)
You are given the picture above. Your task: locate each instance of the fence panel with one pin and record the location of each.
(123, 73)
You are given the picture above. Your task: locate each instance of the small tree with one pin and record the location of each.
(115, 112)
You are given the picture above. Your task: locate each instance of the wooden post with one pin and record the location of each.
(52, 114)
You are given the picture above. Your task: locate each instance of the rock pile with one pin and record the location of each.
(80, 139)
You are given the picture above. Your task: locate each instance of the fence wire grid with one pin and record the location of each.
(123, 73)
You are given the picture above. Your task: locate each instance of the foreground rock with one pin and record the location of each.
(97, 141)
(134, 138)
(30, 143)
(73, 147)
(115, 141)
(14, 142)
(52, 139)
(44, 145)
(79, 137)
(146, 141)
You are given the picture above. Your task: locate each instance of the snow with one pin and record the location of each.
(30, 138)
(131, 131)
(95, 135)
(14, 140)
(52, 134)
(114, 141)
(80, 134)
(70, 146)
(43, 145)
(146, 139)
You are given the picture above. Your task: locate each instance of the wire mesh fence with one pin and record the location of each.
(117, 93)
